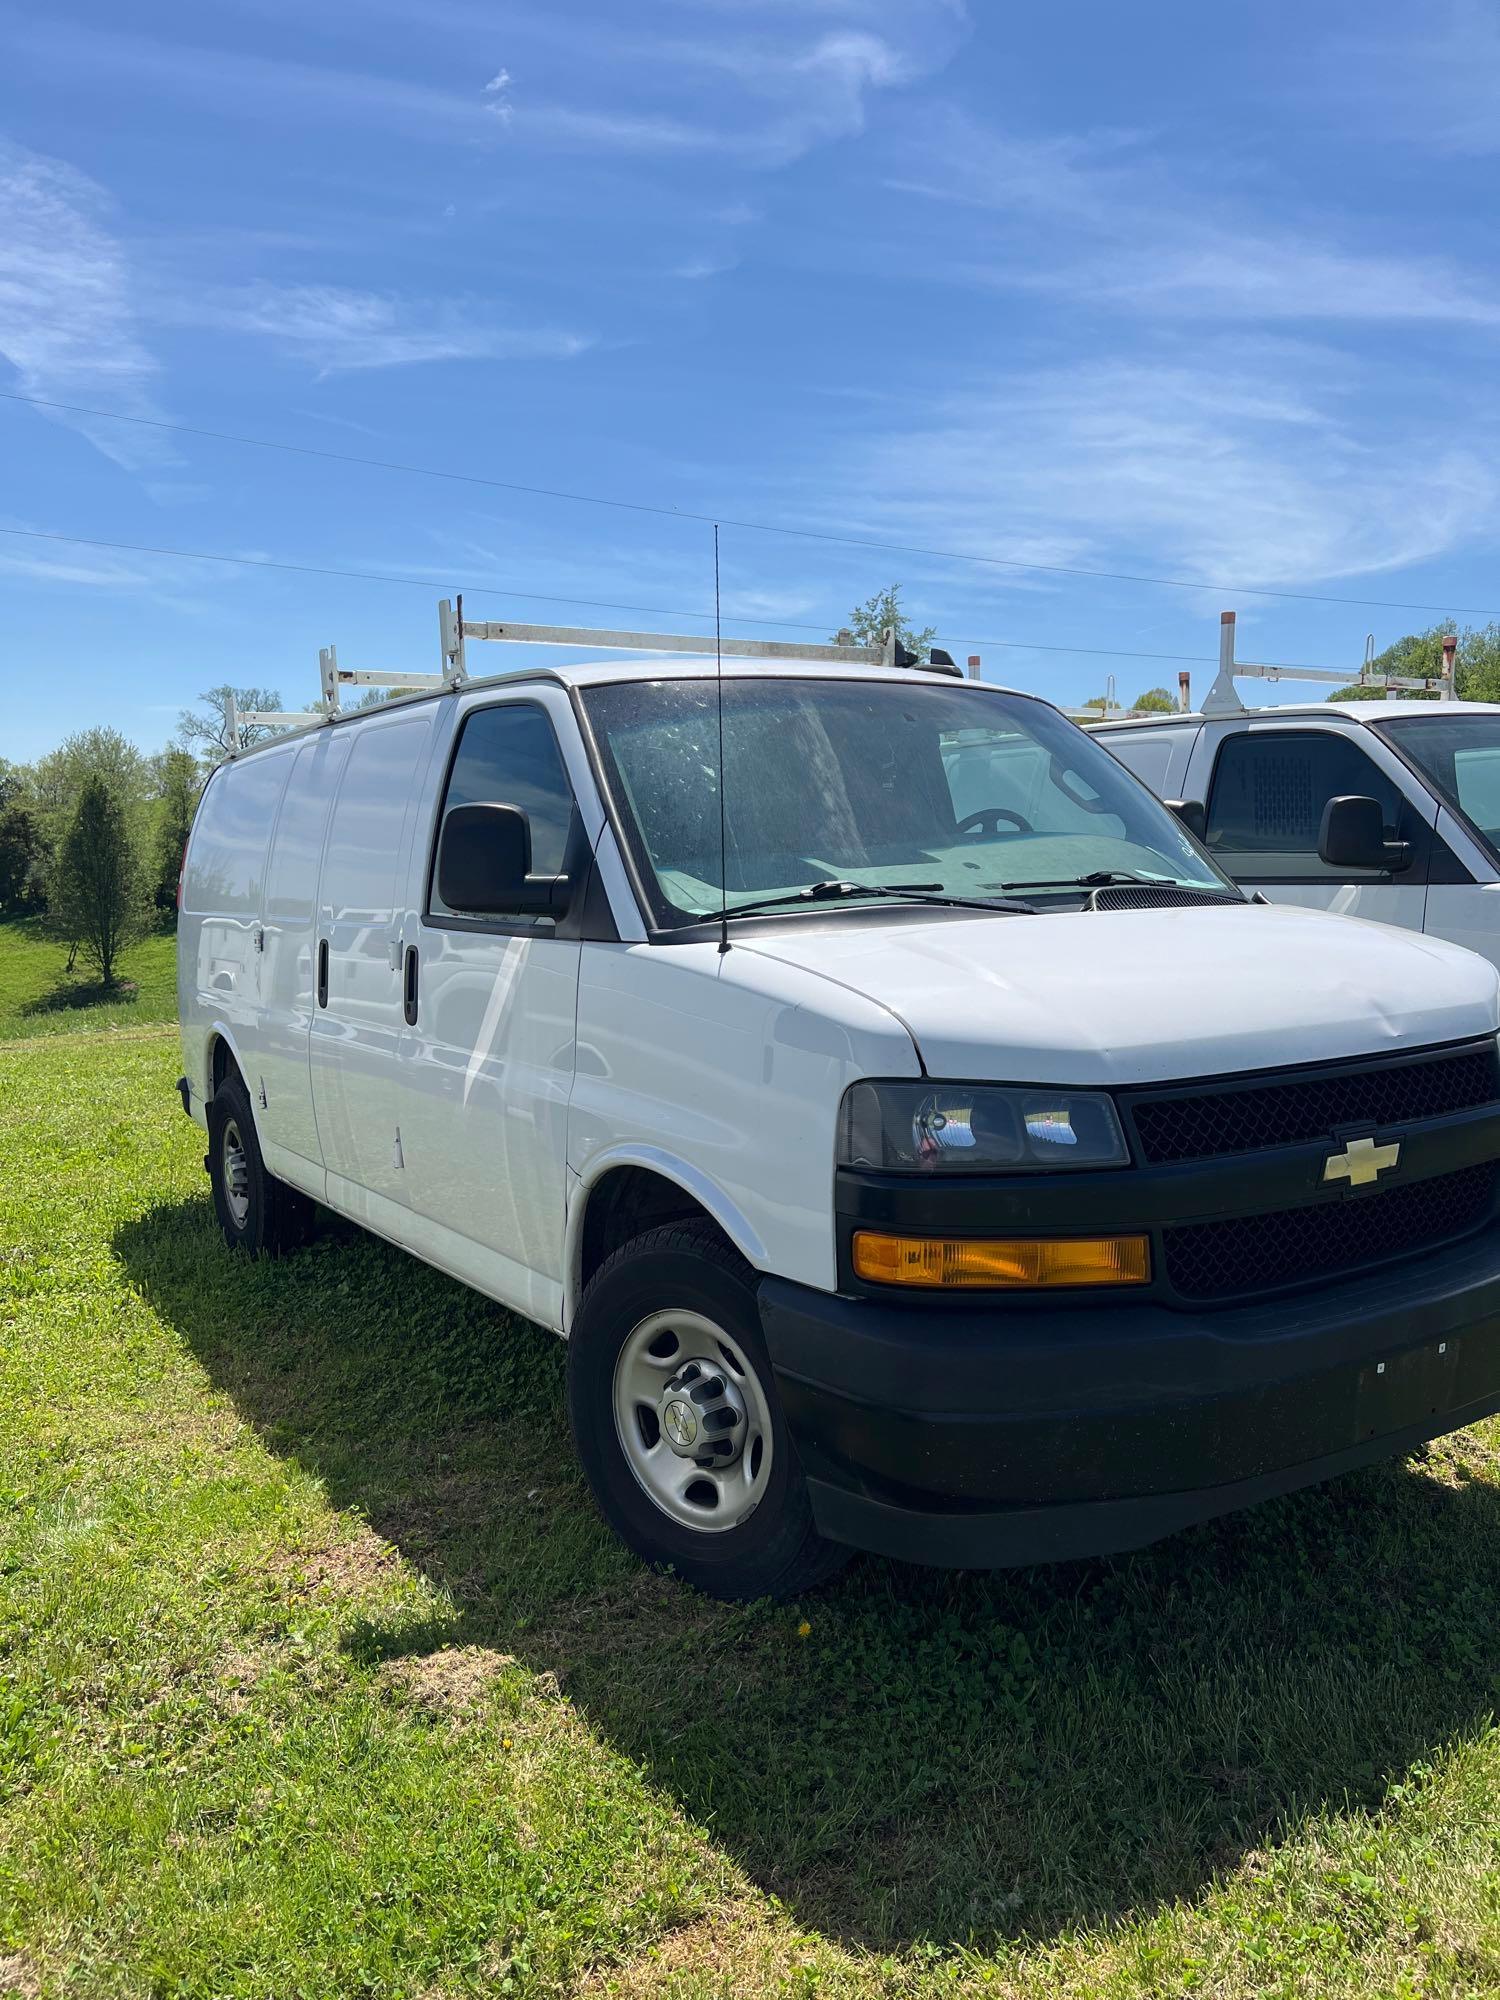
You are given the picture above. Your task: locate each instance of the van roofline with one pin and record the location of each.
(1357, 711)
(582, 674)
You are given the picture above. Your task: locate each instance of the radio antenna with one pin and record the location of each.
(719, 691)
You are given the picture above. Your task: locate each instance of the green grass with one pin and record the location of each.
(38, 996)
(319, 1676)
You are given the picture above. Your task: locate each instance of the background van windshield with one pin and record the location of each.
(872, 782)
(1460, 758)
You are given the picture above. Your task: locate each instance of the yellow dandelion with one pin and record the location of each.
(803, 1629)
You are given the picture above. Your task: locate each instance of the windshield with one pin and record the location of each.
(1459, 755)
(965, 792)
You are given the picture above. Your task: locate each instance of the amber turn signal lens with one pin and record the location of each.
(957, 1262)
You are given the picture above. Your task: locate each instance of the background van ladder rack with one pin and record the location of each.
(1223, 697)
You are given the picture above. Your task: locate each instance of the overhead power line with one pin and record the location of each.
(496, 589)
(749, 527)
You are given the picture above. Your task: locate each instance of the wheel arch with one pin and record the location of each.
(631, 1189)
(220, 1055)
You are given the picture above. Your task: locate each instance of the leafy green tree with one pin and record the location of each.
(178, 784)
(870, 621)
(20, 856)
(94, 897)
(57, 783)
(1155, 701)
(204, 730)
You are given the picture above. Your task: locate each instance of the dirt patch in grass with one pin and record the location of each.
(19, 1978)
(452, 1681)
(738, 1952)
(349, 1567)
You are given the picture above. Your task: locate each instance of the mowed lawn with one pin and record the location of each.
(318, 1675)
(39, 996)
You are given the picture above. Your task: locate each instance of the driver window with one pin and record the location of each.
(508, 755)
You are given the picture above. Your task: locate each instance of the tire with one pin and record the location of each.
(257, 1213)
(757, 1539)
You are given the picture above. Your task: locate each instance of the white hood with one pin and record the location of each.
(1142, 996)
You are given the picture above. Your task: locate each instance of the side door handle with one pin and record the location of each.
(409, 987)
(322, 972)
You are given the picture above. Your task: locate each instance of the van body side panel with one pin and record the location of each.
(485, 1079)
(1159, 756)
(288, 1129)
(220, 968)
(354, 1037)
(486, 1069)
(734, 1066)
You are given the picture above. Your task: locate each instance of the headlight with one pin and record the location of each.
(956, 1128)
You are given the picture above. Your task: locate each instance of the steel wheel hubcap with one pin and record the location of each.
(236, 1174)
(693, 1420)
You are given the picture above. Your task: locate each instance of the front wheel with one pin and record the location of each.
(256, 1212)
(676, 1419)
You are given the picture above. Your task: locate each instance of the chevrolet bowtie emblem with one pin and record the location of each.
(1361, 1162)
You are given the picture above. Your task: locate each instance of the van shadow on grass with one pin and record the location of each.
(943, 1757)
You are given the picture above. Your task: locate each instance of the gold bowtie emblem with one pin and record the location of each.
(1361, 1162)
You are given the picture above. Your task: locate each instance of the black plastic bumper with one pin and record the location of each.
(1027, 1433)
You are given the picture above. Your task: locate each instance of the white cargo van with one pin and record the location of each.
(1388, 810)
(922, 1142)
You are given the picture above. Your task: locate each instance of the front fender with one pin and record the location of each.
(693, 1182)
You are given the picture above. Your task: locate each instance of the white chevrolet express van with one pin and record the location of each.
(924, 1146)
(1414, 834)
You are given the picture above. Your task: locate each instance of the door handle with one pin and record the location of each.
(409, 987)
(322, 972)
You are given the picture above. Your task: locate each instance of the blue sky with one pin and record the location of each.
(1208, 293)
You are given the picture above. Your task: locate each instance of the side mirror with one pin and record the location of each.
(484, 866)
(1192, 814)
(1353, 836)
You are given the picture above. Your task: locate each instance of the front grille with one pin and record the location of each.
(1261, 1253)
(1243, 1118)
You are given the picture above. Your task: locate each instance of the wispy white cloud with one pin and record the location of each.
(698, 268)
(69, 323)
(1094, 218)
(335, 329)
(1208, 466)
(781, 91)
(1435, 86)
(93, 569)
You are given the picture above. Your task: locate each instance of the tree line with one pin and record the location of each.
(92, 835)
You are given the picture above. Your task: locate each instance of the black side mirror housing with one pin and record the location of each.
(484, 866)
(1353, 836)
(1192, 814)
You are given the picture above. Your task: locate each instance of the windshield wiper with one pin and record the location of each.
(1104, 878)
(835, 891)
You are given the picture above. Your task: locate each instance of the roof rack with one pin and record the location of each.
(1223, 697)
(454, 630)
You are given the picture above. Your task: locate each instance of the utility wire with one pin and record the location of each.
(494, 589)
(749, 527)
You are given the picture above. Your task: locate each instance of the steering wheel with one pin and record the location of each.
(991, 816)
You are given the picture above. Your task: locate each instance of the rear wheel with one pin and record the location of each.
(256, 1212)
(676, 1419)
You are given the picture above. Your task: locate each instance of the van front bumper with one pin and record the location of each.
(1014, 1433)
